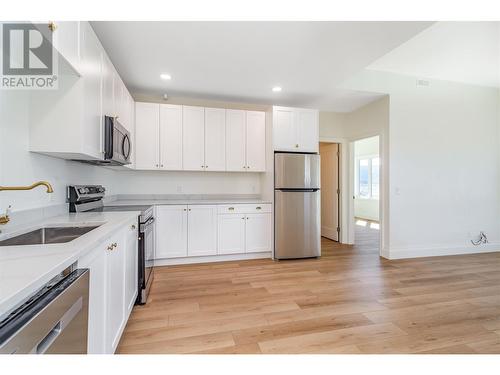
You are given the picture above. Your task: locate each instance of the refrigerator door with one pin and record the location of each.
(296, 171)
(297, 224)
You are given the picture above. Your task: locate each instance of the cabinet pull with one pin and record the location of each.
(52, 26)
(114, 244)
(110, 247)
(133, 226)
(258, 208)
(156, 165)
(185, 209)
(189, 209)
(297, 145)
(243, 218)
(231, 208)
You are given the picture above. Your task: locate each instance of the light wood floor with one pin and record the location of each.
(348, 301)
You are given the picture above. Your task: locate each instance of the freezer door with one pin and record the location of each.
(297, 224)
(294, 171)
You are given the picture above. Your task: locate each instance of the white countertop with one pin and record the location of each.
(25, 269)
(126, 202)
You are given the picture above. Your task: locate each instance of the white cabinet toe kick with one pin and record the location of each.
(202, 233)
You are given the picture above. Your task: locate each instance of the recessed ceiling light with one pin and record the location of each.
(276, 89)
(166, 76)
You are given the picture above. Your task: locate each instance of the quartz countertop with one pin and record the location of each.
(25, 269)
(139, 202)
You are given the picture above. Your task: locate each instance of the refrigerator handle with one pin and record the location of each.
(298, 189)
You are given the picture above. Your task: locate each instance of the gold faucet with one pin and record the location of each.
(29, 187)
(4, 219)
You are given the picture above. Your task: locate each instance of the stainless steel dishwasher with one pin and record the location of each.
(54, 320)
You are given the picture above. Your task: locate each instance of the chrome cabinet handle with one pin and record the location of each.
(231, 208)
(133, 226)
(258, 208)
(110, 247)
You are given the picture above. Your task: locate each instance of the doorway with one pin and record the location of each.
(330, 190)
(366, 193)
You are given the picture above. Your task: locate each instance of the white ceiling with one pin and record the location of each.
(467, 52)
(242, 61)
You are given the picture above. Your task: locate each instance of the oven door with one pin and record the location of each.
(146, 259)
(118, 145)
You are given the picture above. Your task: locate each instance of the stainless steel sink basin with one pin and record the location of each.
(48, 236)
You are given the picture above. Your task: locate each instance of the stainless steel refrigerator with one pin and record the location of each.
(297, 218)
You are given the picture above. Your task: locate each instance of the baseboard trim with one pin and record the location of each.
(436, 251)
(212, 258)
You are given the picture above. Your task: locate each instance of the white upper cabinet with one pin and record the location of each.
(147, 125)
(68, 122)
(65, 39)
(235, 140)
(171, 137)
(193, 138)
(295, 129)
(284, 130)
(256, 141)
(215, 139)
(245, 141)
(307, 121)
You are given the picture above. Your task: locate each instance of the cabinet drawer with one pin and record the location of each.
(243, 208)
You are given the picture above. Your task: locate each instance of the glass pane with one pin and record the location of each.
(375, 177)
(364, 186)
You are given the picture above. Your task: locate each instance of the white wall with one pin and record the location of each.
(365, 208)
(444, 164)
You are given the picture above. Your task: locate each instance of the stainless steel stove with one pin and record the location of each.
(89, 198)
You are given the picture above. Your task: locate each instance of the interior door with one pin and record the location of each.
(330, 190)
(193, 138)
(202, 230)
(256, 141)
(235, 140)
(171, 137)
(147, 123)
(215, 139)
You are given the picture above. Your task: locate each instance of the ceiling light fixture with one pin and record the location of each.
(166, 76)
(276, 89)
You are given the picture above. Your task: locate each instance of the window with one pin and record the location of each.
(368, 185)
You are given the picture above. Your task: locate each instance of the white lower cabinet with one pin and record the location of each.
(258, 232)
(171, 231)
(200, 230)
(231, 234)
(113, 288)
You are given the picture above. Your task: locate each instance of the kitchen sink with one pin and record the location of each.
(49, 235)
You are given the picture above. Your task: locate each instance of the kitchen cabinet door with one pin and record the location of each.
(65, 39)
(115, 291)
(91, 70)
(231, 234)
(202, 230)
(107, 87)
(256, 141)
(96, 263)
(171, 137)
(118, 98)
(130, 113)
(284, 129)
(215, 139)
(131, 267)
(193, 138)
(307, 130)
(171, 231)
(147, 124)
(258, 232)
(235, 140)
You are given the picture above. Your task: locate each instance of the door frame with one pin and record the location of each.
(343, 185)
